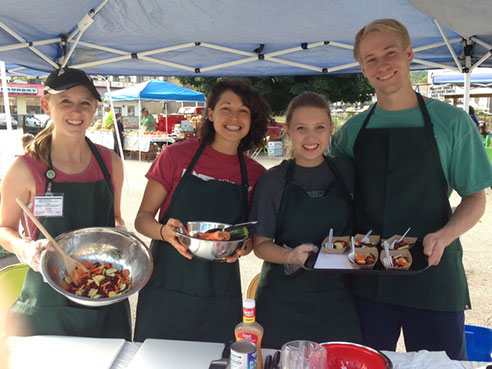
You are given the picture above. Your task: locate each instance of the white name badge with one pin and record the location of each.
(48, 205)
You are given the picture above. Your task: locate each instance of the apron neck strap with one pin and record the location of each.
(289, 174)
(244, 173)
(369, 115)
(425, 113)
(99, 159)
(50, 173)
(245, 183)
(195, 159)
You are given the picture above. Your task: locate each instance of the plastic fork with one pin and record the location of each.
(400, 239)
(352, 253)
(366, 239)
(329, 244)
(387, 259)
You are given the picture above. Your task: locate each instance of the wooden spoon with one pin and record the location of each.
(70, 263)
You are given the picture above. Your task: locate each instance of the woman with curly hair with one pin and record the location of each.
(211, 179)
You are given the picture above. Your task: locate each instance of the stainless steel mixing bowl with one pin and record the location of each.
(206, 249)
(105, 245)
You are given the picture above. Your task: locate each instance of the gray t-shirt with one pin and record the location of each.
(315, 180)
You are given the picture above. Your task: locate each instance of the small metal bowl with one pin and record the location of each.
(206, 249)
(99, 244)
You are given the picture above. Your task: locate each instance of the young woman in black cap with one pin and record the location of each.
(61, 160)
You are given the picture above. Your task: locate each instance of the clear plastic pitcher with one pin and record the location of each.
(303, 355)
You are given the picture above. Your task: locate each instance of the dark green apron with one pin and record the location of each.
(399, 184)
(196, 300)
(308, 305)
(40, 310)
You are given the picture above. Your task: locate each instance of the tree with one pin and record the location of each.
(418, 76)
(280, 90)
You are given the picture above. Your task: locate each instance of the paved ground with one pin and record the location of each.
(476, 243)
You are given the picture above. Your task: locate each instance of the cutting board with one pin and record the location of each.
(51, 352)
(166, 354)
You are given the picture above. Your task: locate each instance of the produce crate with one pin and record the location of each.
(275, 148)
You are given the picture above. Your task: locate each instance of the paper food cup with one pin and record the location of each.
(373, 239)
(409, 240)
(335, 249)
(394, 253)
(366, 251)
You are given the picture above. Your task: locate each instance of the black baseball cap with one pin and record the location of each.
(64, 78)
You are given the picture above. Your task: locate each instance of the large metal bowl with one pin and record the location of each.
(206, 249)
(105, 245)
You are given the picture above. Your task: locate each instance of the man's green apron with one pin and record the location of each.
(40, 310)
(195, 299)
(399, 184)
(310, 305)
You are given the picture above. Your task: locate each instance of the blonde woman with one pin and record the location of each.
(88, 178)
(296, 203)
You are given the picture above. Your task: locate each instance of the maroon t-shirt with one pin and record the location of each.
(171, 164)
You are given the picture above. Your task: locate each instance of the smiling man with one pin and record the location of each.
(411, 152)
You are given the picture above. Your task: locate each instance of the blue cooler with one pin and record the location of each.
(478, 343)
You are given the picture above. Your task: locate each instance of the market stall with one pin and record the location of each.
(154, 90)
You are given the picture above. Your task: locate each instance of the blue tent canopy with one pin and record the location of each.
(156, 90)
(15, 70)
(234, 37)
(458, 79)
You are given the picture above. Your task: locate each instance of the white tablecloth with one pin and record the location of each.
(104, 138)
(131, 142)
(78, 352)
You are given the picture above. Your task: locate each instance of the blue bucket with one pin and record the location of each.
(478, 343)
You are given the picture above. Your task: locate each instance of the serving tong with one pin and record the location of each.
(223, 362)
(249, 225)
(272, 362)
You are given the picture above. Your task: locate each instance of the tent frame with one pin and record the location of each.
(74, 39)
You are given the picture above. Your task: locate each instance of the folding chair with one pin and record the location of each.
(259, 150)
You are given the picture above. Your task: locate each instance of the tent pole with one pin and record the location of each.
(466, 103)
(139, 127)
(120, 146)
(165, 110)
(115, 126)
(467, 48)
(6, 101)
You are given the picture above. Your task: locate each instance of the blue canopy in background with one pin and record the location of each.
(156, 90)
(458, 79)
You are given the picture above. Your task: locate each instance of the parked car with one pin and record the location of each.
(3, 121)
(33, 124)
